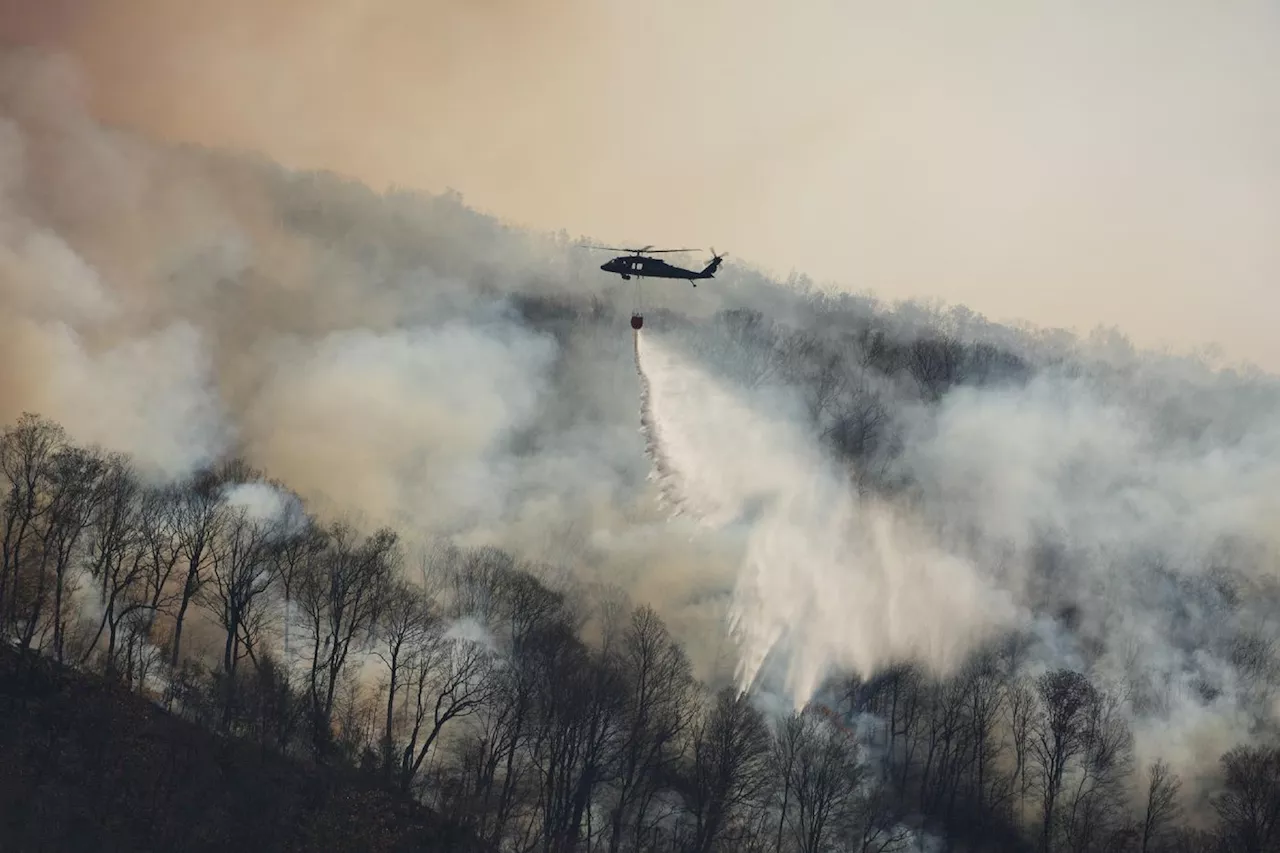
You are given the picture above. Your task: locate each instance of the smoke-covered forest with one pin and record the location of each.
(360, 479)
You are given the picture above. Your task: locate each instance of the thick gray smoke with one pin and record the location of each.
(404, 360)
(1158, 550)
(177, 307)
(1125, 530)
(382, 355)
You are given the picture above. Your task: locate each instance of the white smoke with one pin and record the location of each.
(410, 423)
(372, 350)
(1145, 526)
(829, 579)
(1054, 455)
(264, 503)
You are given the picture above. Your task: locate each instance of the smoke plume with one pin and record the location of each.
(857, 493)
(1113, 164)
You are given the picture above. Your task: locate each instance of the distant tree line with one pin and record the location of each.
(549, 716)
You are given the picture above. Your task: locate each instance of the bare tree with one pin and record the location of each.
(748, 344)
(1249, 805)
(659, 707)
(1162, 808)
(984, 703)
(577, 711)
(341, 595)
(788, 739)
(116, 558)
(199, 515)
(477, 579)
(1020, 702)
(241, 572)
(821, 370)
(1060, 733)
(730, 754)
(161, 553)
(944, 743)
(897, 696)
(302, 542)
(935, 363)
(824, 777)
(407, 622)
(1255, 657)
(75, 490)
(453, 679)
(27, 453)
(877, 829)
(1098, 792)
(523, 617)
(988, 363)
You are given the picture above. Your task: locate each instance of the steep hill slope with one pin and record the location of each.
(91, 766)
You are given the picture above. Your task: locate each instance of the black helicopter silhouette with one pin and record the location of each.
(636, 264)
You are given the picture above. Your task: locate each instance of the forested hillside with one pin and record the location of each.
(357, 479)
(91, 765)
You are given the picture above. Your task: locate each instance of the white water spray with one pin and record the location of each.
(664, 474)
(829, 579)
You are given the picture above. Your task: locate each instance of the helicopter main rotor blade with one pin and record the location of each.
(645, 251)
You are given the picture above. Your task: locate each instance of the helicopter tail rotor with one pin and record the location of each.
(710, 269)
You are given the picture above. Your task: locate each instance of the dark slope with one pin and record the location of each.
(88, 766)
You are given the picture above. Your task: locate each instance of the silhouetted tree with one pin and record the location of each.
(241, 571)
(658, 708)
(1161, 808)
(117, 554)
(1249, 804)
(28, 451)
(503, 708)
(730, 750)
(823, 775)
(936, 363)
(1060, 733)
(452, 678)
(341, 596)
(301, 544)
(199, 516)
(75, 490)
(1097, 794)
(407, 620)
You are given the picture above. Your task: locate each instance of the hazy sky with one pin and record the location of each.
(1064, 163)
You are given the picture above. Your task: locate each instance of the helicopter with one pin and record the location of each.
(636, 264)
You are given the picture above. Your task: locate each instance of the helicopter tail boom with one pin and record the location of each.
(710, 269)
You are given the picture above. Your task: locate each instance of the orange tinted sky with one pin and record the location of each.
(1068, 164)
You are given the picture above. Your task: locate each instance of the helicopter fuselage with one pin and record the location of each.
(642, 267)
